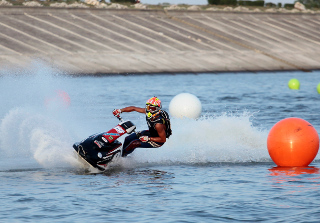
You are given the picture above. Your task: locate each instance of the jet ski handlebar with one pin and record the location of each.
(119, 117)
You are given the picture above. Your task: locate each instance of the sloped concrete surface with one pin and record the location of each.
(93, 41)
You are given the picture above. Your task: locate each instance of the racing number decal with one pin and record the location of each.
(119, 129)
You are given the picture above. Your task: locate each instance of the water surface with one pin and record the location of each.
(215, 169)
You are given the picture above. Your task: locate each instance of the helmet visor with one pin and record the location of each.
(151, 108)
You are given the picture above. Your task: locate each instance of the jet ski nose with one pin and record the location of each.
(75, 146)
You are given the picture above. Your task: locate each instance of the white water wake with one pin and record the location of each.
(223, 138)
(37, 125)
(34, 128)
(27, 134)
(30, 134)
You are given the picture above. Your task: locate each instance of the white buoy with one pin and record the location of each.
(185, 105)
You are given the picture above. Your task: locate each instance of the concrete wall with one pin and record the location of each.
(91, 41)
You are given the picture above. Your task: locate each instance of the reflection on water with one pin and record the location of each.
(293, 171)
(153, 178)
(296, 179)
(147, 178)
(211, 169)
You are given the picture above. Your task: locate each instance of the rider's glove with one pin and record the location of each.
(116, 112)
(144, 139)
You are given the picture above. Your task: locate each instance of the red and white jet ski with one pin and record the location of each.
(101, 149)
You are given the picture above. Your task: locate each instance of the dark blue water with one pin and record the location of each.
(214, 169)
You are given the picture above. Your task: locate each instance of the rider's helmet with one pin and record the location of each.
(153, 106)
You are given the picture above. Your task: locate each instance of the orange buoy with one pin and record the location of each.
(64, 97)
(293, 142)
(60, 99)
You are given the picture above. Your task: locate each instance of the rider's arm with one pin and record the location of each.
(161, 132)
(133, 108)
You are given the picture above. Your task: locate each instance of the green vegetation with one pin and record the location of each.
(215, 5)
(222, 2)
(123, 1)
(251, 3)
(289, 6)
(270, 5)
(311, 3)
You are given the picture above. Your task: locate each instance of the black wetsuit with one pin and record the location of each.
(132, 141)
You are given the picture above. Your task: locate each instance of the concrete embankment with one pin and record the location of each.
(92, 41)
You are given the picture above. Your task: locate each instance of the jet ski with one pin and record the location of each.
(101, 149)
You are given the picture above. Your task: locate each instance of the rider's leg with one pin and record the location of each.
(132, 141)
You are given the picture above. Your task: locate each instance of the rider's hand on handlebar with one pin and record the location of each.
(116, 112)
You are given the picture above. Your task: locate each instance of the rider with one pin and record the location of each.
(155, 136)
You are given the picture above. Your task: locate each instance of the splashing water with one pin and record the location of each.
(219, 139)
(26, 133)
(210, 139)
(32, 126)
(33, 130)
